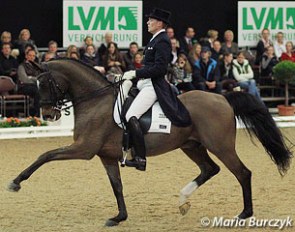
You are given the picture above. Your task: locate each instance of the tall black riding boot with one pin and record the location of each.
(139, 161)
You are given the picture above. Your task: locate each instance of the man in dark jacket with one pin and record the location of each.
(206, 75)
(8, 64)
(153, 86)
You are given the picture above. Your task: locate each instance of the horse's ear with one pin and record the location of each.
(37, 66)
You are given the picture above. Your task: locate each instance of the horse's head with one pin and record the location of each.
(52, 93)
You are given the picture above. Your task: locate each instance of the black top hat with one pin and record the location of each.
(159, 14)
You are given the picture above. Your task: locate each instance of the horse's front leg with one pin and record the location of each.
(112, 169)
(63, 153)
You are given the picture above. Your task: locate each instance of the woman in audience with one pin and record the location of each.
(74, 55)
(112, 60)
(183, 74)
(137, 61)
(27, 75)
(229, 46)
(70, 49)
(24, 39)
(269, 60)
(243, 73)
(289, 54)
(279, 45)
(195, 54)
(87, 41)
(262, 45)
(208, 41)
(5, 38)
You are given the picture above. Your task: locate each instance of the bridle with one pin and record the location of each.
(58, 99)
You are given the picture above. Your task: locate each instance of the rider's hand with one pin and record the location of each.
(129, 75)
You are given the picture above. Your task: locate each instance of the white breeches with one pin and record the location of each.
(143, 101)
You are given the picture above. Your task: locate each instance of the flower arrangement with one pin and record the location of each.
(15, 122)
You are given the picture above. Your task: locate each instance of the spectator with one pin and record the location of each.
(70, 49)
(8, 64)
(87, 41)
(212, 35)
(112, 60)
(48, 56)
(195, 54)
(228, 81)
(279, 45)
(52, 49)
(24, 39)
(5, 38)
(183, 74)
(108, 38)
(91, 58)
(243, 73)
(27, 74)
(206, 75)
(229, 46)
(137, 61)
(269, 60)
(186, 43)
(175, 50)
(74, 55)
(262, 45)
(216, 51)
(171, 34)
(289, 54)
(129, 56)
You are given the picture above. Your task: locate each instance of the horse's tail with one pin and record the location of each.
(259, 122)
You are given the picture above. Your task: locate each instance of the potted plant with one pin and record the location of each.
(285, 73)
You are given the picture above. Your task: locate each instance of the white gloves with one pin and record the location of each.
(129, 75)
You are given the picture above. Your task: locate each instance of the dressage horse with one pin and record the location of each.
(213, 129)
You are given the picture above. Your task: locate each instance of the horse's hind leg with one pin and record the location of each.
(197, 153)
(243, 174)
(64, 153)
(112, 169)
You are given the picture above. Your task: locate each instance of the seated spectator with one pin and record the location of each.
(24, 39)
(182, 77)
(137, 61)
(31, 47)
(27, 74)
(216, 51)
(269, 60)
(129, 56)
(279, 45)
(108, 38)
(195, 54)
(112, 60)
(8, 64)
(5, 38)
(87, 41)
(289, 54)
(90, 57)
(48, 56)
(171, 34)
(74, 55)
(226, 72)
(206, 75)
(186, 43)
(229, 46)
(175, 50)
(212, 35)
(243, 73)
(262, 45)
(70, 49)
(52, 49)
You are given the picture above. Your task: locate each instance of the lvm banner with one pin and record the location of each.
(253, 17)
(94, 18)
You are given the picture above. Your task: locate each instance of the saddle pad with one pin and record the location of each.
(159, 122)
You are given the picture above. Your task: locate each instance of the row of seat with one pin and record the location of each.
(12, 101)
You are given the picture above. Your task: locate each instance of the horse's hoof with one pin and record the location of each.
(184, 208)
(13, 187)
(245, 215)
(111, 223)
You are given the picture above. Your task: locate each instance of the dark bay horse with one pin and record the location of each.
(213, 129)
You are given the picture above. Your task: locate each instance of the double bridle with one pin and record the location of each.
(58, 98)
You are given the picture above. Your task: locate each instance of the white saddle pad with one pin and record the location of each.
(160, 123)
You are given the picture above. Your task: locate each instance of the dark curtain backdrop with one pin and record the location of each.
(44, 17)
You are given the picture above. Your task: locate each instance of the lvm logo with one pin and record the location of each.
(274, 18)
(102, 18)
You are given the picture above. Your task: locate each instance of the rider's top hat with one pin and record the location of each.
(159, 14)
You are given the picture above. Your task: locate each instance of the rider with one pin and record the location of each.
(153, 86)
